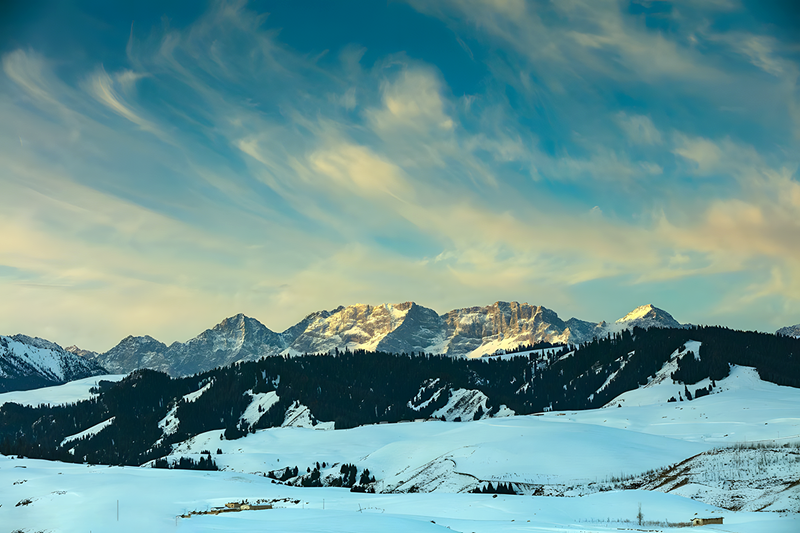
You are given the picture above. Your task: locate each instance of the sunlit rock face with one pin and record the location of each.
(358, 326)
(473, 331)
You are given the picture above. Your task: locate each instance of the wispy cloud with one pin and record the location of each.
(101, 87)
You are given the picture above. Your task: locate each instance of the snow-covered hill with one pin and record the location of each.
(31, 362)
(738, 448)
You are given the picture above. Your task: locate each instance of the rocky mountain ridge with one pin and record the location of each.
(790, 331)
(31, 362)
(397, 328)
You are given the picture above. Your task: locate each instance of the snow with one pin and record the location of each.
(169, 424)
(463, 404)
(661, 387)
(611, 377)
(263, 401)
(742, 408)
(44, 358)
(740, 477)
(438, 344)
(67, 498)
(539, 352)
(523, 449)
(71, 392)
(91, 432)
(417, 403)
(299, 416)
(639, 312)
(193, 396)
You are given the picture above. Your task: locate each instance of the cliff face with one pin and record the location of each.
(473, 331)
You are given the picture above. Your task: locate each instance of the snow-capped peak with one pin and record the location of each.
(640, 312)
(648, 316)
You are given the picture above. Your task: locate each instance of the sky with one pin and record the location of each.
(164, 165)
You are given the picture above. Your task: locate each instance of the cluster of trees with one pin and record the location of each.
(286, 474)
(187, 463)
(312, 479)
(500, 488)
(348, 474)
(356, 388)
(535, 346)
(698, 393)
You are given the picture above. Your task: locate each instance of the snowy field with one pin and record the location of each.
(452, 456)
(71, 392)
(66, 498)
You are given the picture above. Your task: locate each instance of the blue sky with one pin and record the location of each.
(165, 165)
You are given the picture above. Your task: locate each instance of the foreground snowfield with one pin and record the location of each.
(68, 498)
(575, 453)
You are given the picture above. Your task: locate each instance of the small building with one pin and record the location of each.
(243, 506)
(705, 521)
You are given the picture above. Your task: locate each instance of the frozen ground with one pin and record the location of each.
(66, 498)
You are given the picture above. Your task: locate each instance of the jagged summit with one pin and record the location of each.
(142, 339)
(640, 312)
(88, 354)
(358, 326)
(647, 316)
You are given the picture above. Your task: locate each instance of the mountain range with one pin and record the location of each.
(396, 328)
